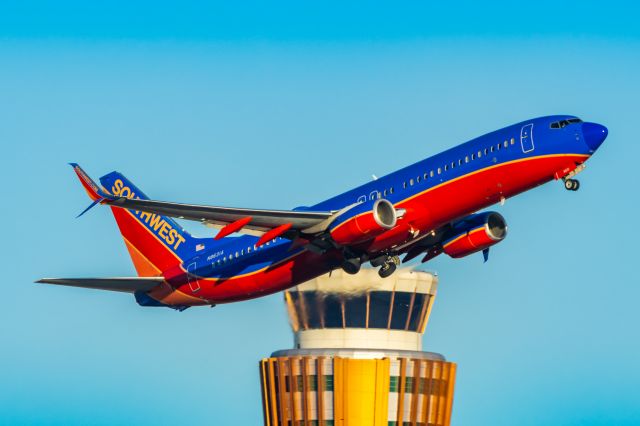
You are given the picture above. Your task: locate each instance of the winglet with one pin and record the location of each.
(96, 193)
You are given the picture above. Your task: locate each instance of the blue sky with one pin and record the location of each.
(279, 106)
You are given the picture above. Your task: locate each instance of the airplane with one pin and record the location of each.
(428, 208)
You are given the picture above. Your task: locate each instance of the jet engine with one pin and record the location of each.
(474, 233)
(364, 222)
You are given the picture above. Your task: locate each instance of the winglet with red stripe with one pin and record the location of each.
(92, 188)
(95, 192)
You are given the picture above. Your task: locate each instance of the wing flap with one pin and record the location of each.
(124, 284)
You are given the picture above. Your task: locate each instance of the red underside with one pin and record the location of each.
(424, 213)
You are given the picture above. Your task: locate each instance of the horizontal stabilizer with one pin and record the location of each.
(126, 284)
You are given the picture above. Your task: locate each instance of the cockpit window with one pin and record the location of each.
(564, 123)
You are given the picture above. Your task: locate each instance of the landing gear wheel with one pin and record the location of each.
(571, 184)
(351, 266)
(388, 269)
(576, 185)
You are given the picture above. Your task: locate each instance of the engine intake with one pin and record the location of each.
(364, 222)
(474, 233)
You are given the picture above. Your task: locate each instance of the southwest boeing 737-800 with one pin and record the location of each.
(426, 209)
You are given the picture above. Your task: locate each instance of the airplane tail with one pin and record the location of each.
(156, 243)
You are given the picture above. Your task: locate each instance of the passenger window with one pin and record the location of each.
(485, 151)
(460, 162)
(506, 144)
(391, 190)
(479, 154)
(445, 167)
(473, 157)
(513, 141)
(426, 175)
(439, 170)
(498, 147)
(411, 182)
(384, 193)
(466, 158)
(453, 164)
(404, 185)
(418, 179)
(431, 173)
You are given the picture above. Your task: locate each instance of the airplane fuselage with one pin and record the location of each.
(432, 193)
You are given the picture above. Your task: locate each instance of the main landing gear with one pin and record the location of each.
(571, 184)
(351, 266)
(388, 265)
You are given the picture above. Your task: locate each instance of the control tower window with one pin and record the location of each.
(312, 307)
(416, 313)
(355, 311)
(400, 313)
(333, 311)
(379, 304)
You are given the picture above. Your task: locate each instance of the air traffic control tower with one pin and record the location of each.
(357, 357)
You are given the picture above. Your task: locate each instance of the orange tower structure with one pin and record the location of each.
(357, 358)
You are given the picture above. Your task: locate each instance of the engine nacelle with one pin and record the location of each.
(364, 222)
(474, 233)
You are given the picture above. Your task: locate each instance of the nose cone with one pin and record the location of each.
(594, 134)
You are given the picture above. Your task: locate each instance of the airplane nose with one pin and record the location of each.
(594, 134)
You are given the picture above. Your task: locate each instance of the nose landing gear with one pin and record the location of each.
(571, 184)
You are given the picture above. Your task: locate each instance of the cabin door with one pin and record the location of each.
(194, 285)
(526, 138)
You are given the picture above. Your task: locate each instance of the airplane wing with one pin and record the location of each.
(257, 220)
(261, 220)
(125, 284)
